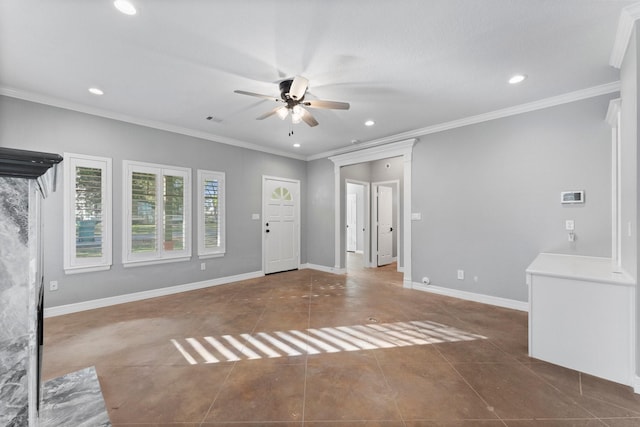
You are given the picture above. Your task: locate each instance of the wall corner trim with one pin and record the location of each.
(636, 384)
(628, 17)
(137, 296)
(470, 296)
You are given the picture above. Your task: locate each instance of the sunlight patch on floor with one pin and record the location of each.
(293, 343)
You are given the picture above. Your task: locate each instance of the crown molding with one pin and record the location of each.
(628, 17)
(498, 114)
(480, 118)
(59, 103)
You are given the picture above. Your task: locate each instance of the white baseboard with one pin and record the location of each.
(636, 384)
(470, 296)
(323, 268)
(137, 296)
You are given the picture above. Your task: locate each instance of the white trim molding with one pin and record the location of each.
(628, 17)
(153, 293)
(470, 296)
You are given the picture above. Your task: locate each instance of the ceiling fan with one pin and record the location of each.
(292, 92)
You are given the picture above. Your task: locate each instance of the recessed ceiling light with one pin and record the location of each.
(96, 91)
(369, 123)
(125, 7)
(518, 78)
(296, 145)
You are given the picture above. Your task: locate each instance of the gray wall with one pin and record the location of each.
(629, 141)
(321, 213)
(629, 94)
(34, 126)
(489, 195)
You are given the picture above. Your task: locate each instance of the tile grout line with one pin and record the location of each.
(488, 406)
(393, 393)
(571, 399)
(228, 374)
(217, 394)
(306, 359)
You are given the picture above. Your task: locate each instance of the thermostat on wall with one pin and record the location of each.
(572, 197)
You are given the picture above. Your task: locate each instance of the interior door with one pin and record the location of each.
(352, 223)
(385, 229)
(281, 240)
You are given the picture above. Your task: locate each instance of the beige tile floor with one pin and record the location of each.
(470, 369)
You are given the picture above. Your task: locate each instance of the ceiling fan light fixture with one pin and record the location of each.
(282, 112)
(296, 118)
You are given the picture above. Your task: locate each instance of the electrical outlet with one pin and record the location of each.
(460, 274)
(53, 285)
(203, 266)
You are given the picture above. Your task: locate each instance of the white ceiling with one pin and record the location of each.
(406, 64)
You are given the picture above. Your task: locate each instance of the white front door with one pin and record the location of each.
(352, 223)
(385, 222)
(280, 225)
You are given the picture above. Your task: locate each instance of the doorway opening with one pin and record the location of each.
(357, 224)
(392, 163)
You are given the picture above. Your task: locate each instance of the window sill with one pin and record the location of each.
(146, 262)
(77, 270)
(207, 256)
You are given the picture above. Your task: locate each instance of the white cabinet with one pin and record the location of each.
(581, 315)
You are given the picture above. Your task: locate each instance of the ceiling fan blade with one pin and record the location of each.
(268, 113)
(308, 118)
(298, 88)
(332, 105)
(258, 95)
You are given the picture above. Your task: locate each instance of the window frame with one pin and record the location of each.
(160, 255)
(219, 251)
(72, 263)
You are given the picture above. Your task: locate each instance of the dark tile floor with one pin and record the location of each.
(316, 349)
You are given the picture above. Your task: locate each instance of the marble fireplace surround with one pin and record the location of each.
(73, 399)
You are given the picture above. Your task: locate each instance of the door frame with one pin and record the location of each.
(366, 254)
(395, 149)
(297, 212)
(374, 214)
